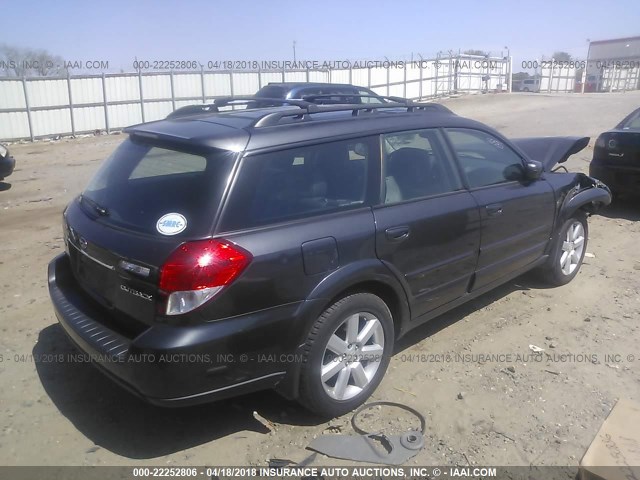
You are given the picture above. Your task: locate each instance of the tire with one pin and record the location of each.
(355, 361)
(557, 271)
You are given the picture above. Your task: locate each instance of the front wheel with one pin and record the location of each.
(568, 250)
(346, 354)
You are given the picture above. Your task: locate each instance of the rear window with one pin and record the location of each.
(633, 122)
(140, 184)
(299, 182)
(271, 91)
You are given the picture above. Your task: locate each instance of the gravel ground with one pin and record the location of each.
(521, 410)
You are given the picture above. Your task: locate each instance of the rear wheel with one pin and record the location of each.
(568, 251)
(346, 354)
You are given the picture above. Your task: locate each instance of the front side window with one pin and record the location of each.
(415, 165)
(299, 182)
(485, 159)
(371, 99)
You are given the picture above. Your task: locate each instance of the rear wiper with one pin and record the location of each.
(102, 211)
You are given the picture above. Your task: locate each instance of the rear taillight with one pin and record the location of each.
(196, 271)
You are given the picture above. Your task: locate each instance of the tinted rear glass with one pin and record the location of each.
(271, 91)
(633, 123)
(140, 183)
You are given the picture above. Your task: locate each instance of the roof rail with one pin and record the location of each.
(312, 97)
(306, 108)
(274, 118)
(391, 99)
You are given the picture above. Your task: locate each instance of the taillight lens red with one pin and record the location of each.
(203, 264)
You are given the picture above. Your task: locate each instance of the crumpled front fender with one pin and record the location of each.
(589, 194)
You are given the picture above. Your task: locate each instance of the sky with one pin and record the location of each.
(207, 31)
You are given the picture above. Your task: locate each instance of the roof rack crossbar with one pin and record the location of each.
(273, 118)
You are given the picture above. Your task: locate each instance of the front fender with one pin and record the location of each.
(589, 194)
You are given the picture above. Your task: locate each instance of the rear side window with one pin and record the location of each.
(139, 184)
(299, 182)
(416, 166)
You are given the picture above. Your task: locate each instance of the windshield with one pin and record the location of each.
(145, 188)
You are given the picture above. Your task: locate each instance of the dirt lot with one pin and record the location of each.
(514, 412)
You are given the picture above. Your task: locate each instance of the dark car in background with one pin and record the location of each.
(321, 93)
(616, 156)
(7, 162)
(289, 247)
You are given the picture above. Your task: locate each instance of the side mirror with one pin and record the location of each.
(4, 153)
(533, 169)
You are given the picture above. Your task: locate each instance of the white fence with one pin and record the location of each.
(565, 77)
(613, 79)
(42, 107)
(557, 78)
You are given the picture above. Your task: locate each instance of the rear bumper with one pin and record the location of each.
(175, 366)
(620, 179)
(7, 165)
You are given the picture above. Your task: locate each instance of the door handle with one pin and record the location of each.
(397, 234)
(494, 209)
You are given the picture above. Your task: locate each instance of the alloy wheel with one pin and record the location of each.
(572, 248)
(352, 356)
